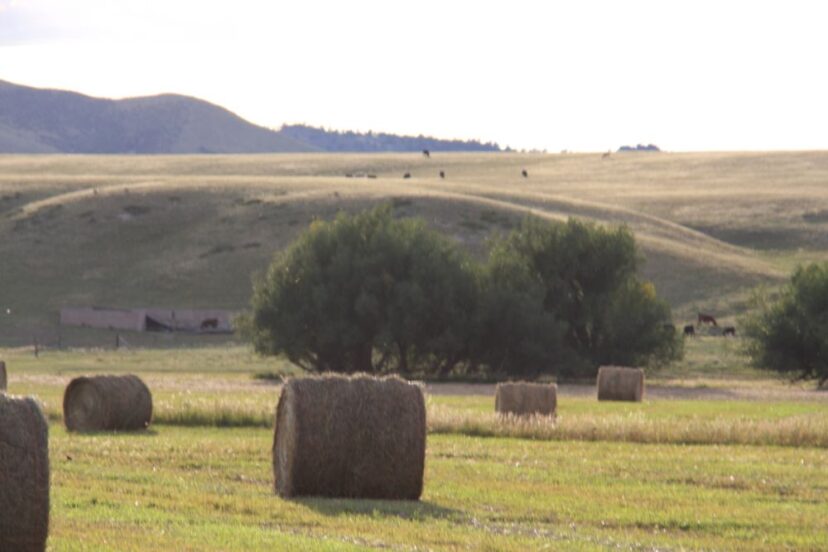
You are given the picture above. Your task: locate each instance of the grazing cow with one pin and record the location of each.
(729, 330)
(442, 174)
(524, 173)
(407, 175)
(372, 176)
(607, 155)
(209, 324)
(690, 330)
(426, 153)
(707, 319)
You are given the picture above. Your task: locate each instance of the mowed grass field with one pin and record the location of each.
(718, 457)
(189, 231)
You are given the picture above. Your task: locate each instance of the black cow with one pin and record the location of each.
(729, 330)
(407, 175)
(442, 174)
(426, 153)
(690, 330)
(524, 173)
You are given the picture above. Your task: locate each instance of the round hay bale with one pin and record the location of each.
(616, 383)
(350, 437)
(523, 398)
(102, 403)
(4, 382)
(24, 475)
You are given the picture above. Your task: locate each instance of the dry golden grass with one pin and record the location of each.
(711, 225)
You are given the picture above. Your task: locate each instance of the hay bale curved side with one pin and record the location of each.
(525, 398)
(107, 403)
(24, 475)
(618, 383)
(351, 437)
(4, 382)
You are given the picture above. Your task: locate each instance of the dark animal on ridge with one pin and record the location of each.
(707, 319)
(209, 323)
(690, 330)
(442, 174)
(729, 330)
(524, 173)
(426, 153)
(407, 175)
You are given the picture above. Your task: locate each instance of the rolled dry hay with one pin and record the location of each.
(350, 437)
(24, 475)
(101, 403)
(4, 382)
(616, 383)
(522, 398)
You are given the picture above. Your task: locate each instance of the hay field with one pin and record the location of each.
(188, 231)
(677, 471)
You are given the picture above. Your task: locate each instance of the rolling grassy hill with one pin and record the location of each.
(189, 231)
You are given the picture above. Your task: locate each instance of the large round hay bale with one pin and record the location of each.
(101, 403)
(24, 475)
(523, 398)
(351, 437)
(616, 383)
(4, 382)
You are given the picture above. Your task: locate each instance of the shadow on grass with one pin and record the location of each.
(403, 509)
(150, 432)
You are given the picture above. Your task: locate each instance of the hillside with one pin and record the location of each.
(55, 121)
(189, 231)
(36, 120)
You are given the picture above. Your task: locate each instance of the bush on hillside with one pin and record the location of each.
(790, 335)
(367, 293)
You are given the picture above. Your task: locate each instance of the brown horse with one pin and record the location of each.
(707, 319)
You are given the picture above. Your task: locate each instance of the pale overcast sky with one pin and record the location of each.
(580, 75)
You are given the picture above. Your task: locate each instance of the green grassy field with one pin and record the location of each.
(188, 231)
(719, 457)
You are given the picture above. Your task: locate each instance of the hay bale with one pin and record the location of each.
(4, 382)
(107, 403)
(24, 475)
(522, 398)
(350, 437)
(616, 383)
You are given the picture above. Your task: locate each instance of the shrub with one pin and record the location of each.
(790, 335)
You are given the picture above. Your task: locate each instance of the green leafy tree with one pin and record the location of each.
(790, 335)
(514, 334)
(587, 274)
(366, 293)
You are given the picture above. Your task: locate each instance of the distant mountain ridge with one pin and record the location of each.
(350, 141)
(34, 120)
